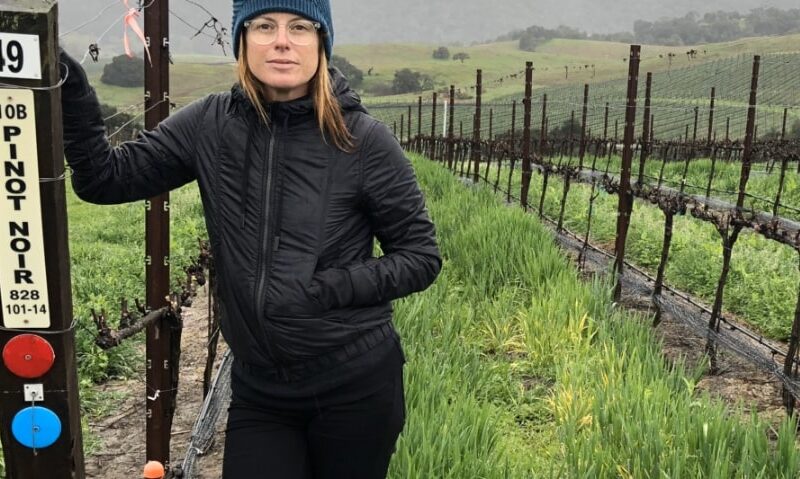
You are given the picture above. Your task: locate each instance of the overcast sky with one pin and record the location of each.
(469, 20)
(429, 21)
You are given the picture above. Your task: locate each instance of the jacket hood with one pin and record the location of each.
(298, 111)
(347, 97)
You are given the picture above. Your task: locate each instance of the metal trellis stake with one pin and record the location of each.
(476, 131)
(526, 136)
(160, 337)
(450, 125)
(433, 129)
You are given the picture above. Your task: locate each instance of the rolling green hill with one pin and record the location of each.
(503, 59)
(678, 87)
(502, 63)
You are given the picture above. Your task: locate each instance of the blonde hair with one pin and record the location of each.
(328, 111)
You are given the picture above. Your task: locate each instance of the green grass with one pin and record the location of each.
(518, 369)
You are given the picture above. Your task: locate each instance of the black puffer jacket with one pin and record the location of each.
(290, 218)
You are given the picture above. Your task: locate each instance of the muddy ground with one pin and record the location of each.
(121, 436)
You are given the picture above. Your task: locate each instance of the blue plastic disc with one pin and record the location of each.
(36, 427)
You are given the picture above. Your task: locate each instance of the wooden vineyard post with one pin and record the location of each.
(694, 133)
(542, 151)
(711, 116)
(408, 128)
(728, 230)
(584, 113)
(625, 194)
(727, 128)
(419, 126)
(39, 410)
(790, 363)
(570, 173)
(749, 134)
(512, 149)
(526, 136)
(450, 123)
(161, 337)
(490, 153)
(783, 127)
(669, 219)
(592, 195)
(784, 165)
(476, 129)
(645, 130)
(462, 147)
(432, 153)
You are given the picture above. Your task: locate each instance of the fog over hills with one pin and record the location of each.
(421, 21)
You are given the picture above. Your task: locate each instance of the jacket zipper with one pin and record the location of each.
(266, 253)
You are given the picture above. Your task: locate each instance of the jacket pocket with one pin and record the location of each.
(289, 291)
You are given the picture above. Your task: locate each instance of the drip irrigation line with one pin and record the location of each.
(213, 409)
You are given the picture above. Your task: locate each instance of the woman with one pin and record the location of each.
(296, 179)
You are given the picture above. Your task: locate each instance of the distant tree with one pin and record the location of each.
(406, 81)
(719, 26)
(535, 35)
(461, 56)
(441, 53)
(124, 71)
(621, 37)
(379, 88)
(773, 21)
(569, 128)
(529, 43)
(510, 36)
(350, 71)
(689, 29)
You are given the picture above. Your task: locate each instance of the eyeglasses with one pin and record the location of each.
(265, 32)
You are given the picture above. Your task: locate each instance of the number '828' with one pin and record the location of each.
(23, 294)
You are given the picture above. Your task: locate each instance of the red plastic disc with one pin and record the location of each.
(28, 356)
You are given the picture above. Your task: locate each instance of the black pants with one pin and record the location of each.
(348, 432)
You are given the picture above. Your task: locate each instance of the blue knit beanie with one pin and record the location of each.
(315, 10)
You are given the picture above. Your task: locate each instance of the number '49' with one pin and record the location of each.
(11, 56)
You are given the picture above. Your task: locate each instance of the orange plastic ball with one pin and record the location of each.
(153, 470)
